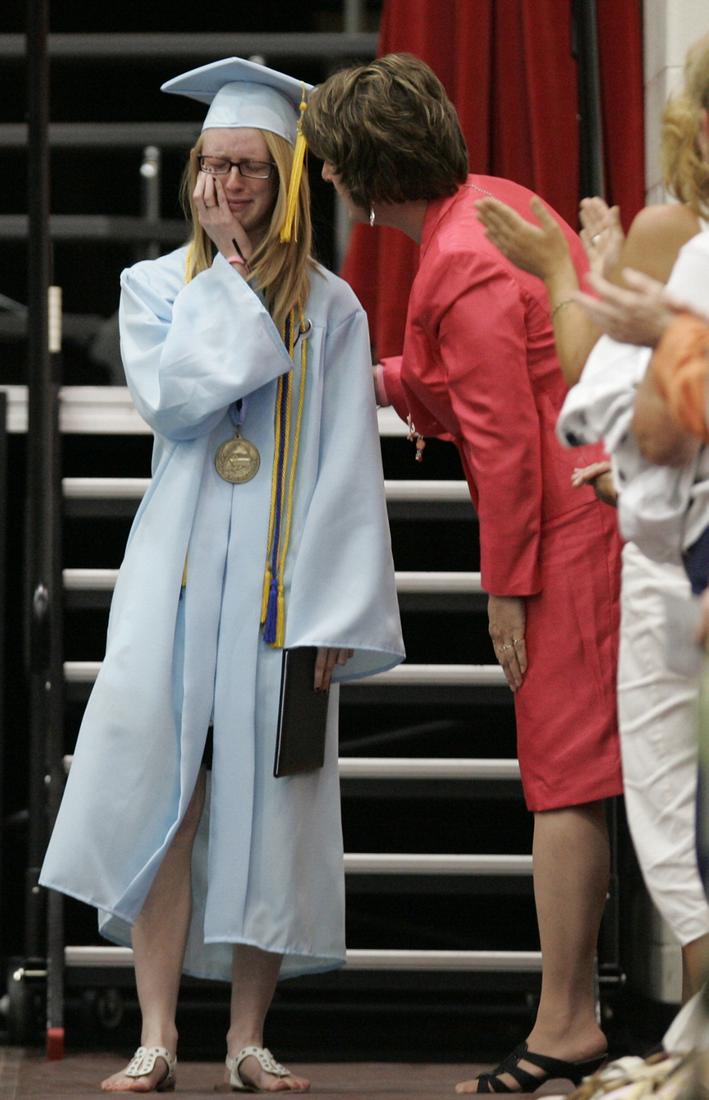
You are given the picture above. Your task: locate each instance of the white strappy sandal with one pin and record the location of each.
(143, 1062)
(266, 1061)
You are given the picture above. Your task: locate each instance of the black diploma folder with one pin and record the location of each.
(302, 715)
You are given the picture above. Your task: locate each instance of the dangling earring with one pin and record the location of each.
(372, 216)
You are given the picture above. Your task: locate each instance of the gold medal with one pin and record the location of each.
(237, 460)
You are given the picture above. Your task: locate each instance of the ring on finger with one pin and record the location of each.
(507, 645)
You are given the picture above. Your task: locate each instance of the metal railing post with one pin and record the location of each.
(3, 590)
(150, 194)
(43, 559)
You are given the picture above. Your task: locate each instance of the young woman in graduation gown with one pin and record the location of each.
(264, 526)
(479, 368)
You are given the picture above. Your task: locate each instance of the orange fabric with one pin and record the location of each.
(680, 367)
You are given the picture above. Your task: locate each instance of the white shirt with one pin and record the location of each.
(662, 509)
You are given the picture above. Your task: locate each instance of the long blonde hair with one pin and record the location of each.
(281, 272)
(685, 171)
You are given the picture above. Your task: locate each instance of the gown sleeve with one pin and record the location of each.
(343, 591)
(190, 350)
(483, 348)
(391, 378)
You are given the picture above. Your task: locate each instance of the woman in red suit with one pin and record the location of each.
(479, 368)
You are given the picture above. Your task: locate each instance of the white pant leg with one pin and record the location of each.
(658, 741)
(688, 1031)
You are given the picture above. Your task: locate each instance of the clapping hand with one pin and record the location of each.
(539, 249)
(602, 235)
(636, 314)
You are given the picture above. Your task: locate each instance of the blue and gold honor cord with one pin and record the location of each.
(285, 462)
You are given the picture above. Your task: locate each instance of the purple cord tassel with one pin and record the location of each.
(269, 627)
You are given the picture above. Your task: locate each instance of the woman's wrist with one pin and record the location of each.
(380, 390)
(561, 286)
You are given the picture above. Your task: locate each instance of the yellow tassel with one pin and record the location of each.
(184, 573)
(281, 619)
(266, 590)
(290, 223)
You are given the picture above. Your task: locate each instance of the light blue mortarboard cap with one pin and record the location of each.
(243, 94)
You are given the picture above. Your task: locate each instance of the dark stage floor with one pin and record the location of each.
(25, 1074)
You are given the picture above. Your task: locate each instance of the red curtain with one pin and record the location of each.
(620, 36)
(507, 67)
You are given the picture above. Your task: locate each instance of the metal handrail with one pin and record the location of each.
(133, 488)
(98, 228)
(414, 675)
(399, 863)
(357, 959)
(419, 582)
(148, 46)
(99, 410)
(419, 767)
(108, 136)
(426, 767)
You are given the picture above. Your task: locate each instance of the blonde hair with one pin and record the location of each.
(281, 272)
(685, 171)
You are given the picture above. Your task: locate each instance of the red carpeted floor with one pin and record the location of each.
(27, 1074)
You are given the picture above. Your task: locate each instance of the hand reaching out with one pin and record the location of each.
(600, 477)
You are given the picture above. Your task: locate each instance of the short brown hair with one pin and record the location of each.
(389, 130)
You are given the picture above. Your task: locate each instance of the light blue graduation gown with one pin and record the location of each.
(267, 862)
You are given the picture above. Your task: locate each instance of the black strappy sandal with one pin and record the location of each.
(552, 1068)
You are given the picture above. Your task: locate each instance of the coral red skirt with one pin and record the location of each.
(567, 733)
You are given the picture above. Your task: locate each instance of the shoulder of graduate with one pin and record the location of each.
(170, 267)
(332, 301)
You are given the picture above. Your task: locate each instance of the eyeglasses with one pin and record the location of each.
(251, 169)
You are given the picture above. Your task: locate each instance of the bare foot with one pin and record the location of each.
(148, 1082)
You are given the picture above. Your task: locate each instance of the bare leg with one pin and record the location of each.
(571, 868)
(159, 940)
(255, 974)
(695, 959)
